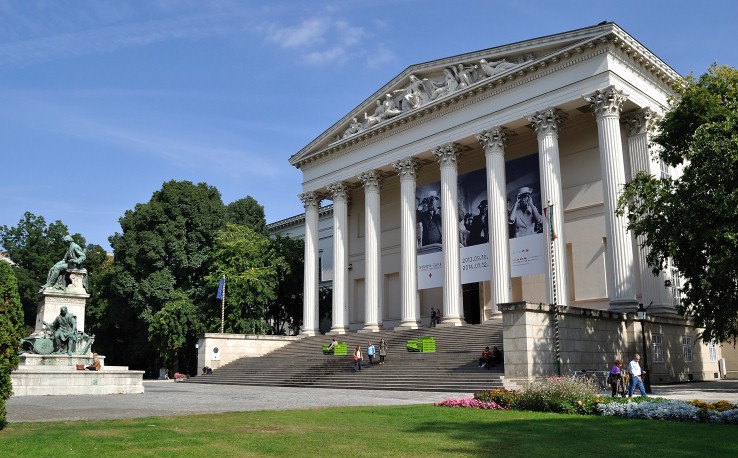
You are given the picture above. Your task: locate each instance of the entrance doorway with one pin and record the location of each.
(470, 296)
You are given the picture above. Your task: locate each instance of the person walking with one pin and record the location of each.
(636, 376)
(615, 378)
(357, 358)
(433, 318)
(370, 352)
(382, 351)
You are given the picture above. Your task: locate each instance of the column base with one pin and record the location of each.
(663, 310)
(337, 332)
(369, 328)
(448, 322)
(409, 325)
(309, 332)
(623, 306)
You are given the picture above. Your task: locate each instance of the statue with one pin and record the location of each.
(494, 67)
(390, 108)
(73, 259)
(466, 75)
(377, 117)
(415, 93)
(354, 128)
(64, 328)
(449, 84)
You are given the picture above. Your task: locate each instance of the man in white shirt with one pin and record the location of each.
(636, 376)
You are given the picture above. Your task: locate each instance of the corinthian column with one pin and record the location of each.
(407, 169)
(607, 104)
(546, 123)
(339, 193)
(637, 124)
(311, 201)
(373, 275)
(447, 156)
(493, 142)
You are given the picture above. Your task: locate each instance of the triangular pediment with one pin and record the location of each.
(423, 88)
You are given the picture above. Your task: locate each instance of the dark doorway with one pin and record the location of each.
(471, 303)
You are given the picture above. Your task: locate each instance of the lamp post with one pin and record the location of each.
(646, 373)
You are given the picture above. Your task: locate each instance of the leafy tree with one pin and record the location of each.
(692, 219)
(11, 332)
(163, 251)
(251, 266)
(34, 247)
(175, 324)
(286, 310)
(247, 212)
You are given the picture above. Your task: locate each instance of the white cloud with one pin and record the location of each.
(307, 33)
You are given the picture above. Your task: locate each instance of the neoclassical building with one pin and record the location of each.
(489, 178)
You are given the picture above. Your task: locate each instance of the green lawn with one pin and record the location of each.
(370, 431)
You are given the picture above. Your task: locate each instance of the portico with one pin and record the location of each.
(574, 105)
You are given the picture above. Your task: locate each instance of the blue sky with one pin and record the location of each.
(103, 101)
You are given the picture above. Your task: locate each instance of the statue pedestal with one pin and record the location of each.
(57, 375)
(51, 300)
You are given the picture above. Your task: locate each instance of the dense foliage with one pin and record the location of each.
(691, 219)
(11, 332)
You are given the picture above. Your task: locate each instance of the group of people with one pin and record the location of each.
(435, 317)
(490, 358)
(617, 375)
(371, 351)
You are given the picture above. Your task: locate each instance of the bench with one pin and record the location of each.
(424, 345)
(341, 349)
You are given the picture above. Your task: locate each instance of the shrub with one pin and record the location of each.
(560, 395)
(504, 398)
(472, 403)
(720, 406)
(652, 409)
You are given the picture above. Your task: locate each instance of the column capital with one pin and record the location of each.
(310, 199)
(407, 168)
(607, 102)
(547, 121)
(638, 121)
(372, 179)
(494, 139)
(447, 154)
(339, 190)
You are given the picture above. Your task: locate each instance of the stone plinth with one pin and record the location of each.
(50, 301)
(41, 380)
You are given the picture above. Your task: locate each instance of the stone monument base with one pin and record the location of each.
(57, 375)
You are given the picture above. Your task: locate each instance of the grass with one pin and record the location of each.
(404, 431)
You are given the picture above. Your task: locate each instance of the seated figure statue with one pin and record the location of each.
(73, 259)
(64, 328)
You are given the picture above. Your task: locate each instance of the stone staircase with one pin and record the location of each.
(453, 367)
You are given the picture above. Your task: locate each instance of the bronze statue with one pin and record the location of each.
(64, 328)
(73, 259)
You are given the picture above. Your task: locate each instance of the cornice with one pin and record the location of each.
(610, 39)
(297, 219)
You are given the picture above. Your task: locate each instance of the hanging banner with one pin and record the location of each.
(527, 241)
(473, 231)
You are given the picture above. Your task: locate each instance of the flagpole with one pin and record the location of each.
(222, 305)
(552, 238)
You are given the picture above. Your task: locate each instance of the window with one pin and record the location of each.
(676, 287)
(687, 348)
(664, 167)
(712, 349)
(657, 341)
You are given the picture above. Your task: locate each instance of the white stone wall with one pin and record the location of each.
(593, 339)
(234, 346)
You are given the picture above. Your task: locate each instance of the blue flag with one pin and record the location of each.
(221, 287)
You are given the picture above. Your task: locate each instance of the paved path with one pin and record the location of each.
(169, 398)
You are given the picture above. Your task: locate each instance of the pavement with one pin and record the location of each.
(167, 398)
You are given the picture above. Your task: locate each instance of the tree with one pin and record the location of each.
(11, 332)
(163, 251)
(286, 309)
(247, 212)
(171, 327)
(251, 266)
(34, 247)
(691, 220)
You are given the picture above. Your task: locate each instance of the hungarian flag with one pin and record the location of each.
(221, 287)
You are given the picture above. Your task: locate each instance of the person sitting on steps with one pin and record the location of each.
(486, 358)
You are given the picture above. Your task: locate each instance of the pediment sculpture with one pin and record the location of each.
(420, 91)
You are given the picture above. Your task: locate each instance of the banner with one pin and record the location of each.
(527, 241)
